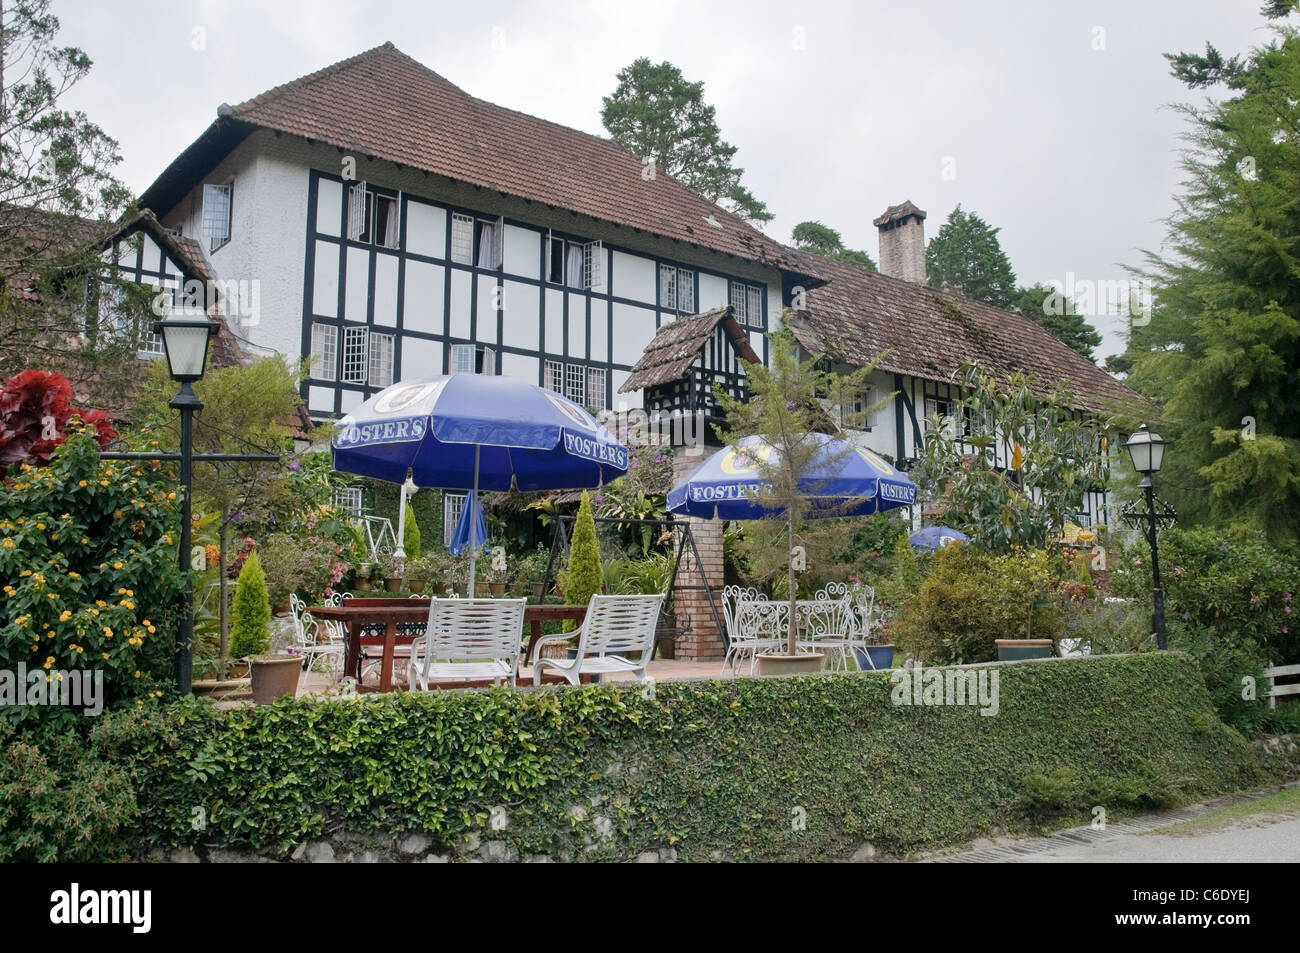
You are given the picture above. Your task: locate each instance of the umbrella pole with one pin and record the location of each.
(473, 523)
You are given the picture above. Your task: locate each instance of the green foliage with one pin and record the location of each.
(819, 239)
(250, 629)
(585, 577)
(659, 117)
(1223, 341)
(624, 501)
(411, 534)
(1051, 310)
(971, 598)
(701, 766)
(88, 565)
(967, 255)
(647, 576)
(295, 563)
(1060, 460)
(59, 802)
(59, 198)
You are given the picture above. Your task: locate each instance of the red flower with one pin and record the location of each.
(35, 408)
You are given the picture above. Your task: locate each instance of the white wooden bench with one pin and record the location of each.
(1275, 691)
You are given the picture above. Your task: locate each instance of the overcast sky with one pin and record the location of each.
(1049, 119)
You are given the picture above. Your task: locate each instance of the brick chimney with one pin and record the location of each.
(902, 242)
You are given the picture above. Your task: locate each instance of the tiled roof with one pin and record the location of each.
(384, 104)
(929, 334)
(677, 345)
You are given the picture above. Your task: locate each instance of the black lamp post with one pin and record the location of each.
(186, 343)
(1147, 450)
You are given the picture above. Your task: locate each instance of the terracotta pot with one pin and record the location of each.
(497, 588)
(275, 677)
(221, 688)
(393, 585)
(801, 663)
(416, 585)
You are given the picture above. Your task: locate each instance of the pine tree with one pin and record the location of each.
(967, 255)
(1051, 310)
(250, 629)
(659, 117)
(818, 239)
(584, 578)
(1221, 352)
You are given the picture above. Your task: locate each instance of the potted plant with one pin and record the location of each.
(275, 675)
(1015, 650)
(878, 653)
(394, 573)
(497, 575)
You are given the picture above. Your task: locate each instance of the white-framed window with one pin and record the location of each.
(453, 504)
(348, 499)
(359, 207)
(685, 291)
(355, 355)
(677, 289)
(592, 255)
(555, 376)
(575, 384)
(740, 302)
(462, 238)
(668, 286)
(755, 306)
(491, 240)
(381, 359)
(324, 351)
(218, 201)
(596, 380)
(386, 224)
(472, 359)
(151, 344)
(942, 409)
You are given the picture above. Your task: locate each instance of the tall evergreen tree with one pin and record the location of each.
(1222, 350)
(657, 115)
(1056, 313)
(818, 239)
(967, 255)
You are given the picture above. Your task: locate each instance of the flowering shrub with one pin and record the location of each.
(88, 566)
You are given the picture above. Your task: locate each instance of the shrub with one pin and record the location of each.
(607, 771)
(250, 612)
(585, 577)
(59, 802)
(411, 534)
(89, 574)
(971, 598)
(295, 565)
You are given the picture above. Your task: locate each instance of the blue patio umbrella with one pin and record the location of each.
(475, 431)
(845, 480)
(462, 538)
(936, 537)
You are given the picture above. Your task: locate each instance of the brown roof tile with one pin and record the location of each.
(925, 333)
(383, 103)
(677, 344)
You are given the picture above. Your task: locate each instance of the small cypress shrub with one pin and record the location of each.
(411, 534)
(250, 611)
(584, 578)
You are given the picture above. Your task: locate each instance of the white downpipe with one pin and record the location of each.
(473, 523)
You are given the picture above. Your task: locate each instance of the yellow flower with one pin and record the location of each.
(152, 630)
(40, 526)
(9, 544)
(137, 673)
(82, 483)
(74, 575)
(67, 614)
(117, 565)
(105, 654)
(103, 483)
(108, 633)
(117, 514)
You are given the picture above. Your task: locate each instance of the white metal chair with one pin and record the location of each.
(314, 644)
(468, 639)
(828, 623)
(862, 601)
(754, 624)
(614, 627)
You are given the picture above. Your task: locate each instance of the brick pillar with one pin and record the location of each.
(700, 638)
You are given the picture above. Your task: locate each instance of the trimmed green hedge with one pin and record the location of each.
(706, 767)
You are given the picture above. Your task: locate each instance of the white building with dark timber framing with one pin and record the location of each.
(383, 224)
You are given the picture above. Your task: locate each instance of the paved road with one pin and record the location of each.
(1253, 842)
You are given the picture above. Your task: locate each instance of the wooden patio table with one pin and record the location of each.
(369, 613)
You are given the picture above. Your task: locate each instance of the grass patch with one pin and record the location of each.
(1281, 806)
